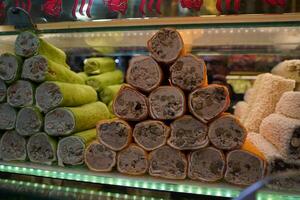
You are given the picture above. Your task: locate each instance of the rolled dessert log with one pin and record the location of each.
(12, 146)
(3, 91)
(188, 133)
(94, 66)
(132, 160)
(243, 168)
(29, 121)
(39, 69)
(241, 109)
(207, 164)
(116, 134)
(10, 67)
(83, 76)
(99, 158)
(21, 94)
(288, 69)
(41, 148)
(188, 73)
(66, 120)
(249, 95)
(51, 95)
(70, 150)
(288, 105)
(165, 45)
(8, 116)
(167, 162)
(167, 103)
(131, 105)
(29, 44)
(270, 89)
(227, 133)
(151, 134)
(144, 73)
(109, 93)
(99, 82)
(209, 102)
(284, 133)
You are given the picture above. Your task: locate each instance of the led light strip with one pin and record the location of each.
(146, 183)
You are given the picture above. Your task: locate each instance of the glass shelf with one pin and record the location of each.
(141, 182)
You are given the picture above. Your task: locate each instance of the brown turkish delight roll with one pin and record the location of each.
(3, 89)
(8, 116)
(227, 133)
(188, 73)
(41, 148)
(12, 146)
(166, 103)
(284, 133)
(167, 162)
(99, 158)
(207, 164)
(144, 73)
(188, 133)
(151, 134)
(166, 45)
(243, 168)
(20, 94)
(131, 105)
(114, 133)
(132, 160)
(209, 102)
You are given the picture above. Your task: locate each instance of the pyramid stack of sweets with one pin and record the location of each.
(48, 112)
(171, 124)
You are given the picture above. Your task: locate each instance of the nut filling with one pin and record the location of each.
(144, 73)
(227, 133)
(166, 102)
(26, 44)
(8, 67)
(166, 45)
(100, 158)
(8, 116)
(114, 134)
(169, 163)
(209, 102)
(188, 72)
(294, 146)
(48, 96)
(132, 160)
(59, 122)
(29, 121)
(151, 134)
(70, 151)
(35, 68)
(20, 94)
(188, 133)
(40, 149)
(130, 105)
(243, 168)
(206, 164)
(13, 146)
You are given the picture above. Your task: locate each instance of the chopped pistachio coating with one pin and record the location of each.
(99, 82)
(109, 93)
(94, 66)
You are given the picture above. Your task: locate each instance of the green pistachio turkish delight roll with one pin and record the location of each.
(50, 95)
(41, 148)
(70, 150)
(109, 93)
(12, 146)
(28, 44)
(3, 89)
(99, 82)
(39, 69)
(10, 67)
(83, 75)
(66, 120)
(8, 116)
(95, 66)
(20, 94)
(29, 121)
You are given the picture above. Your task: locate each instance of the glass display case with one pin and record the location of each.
(238, 47)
